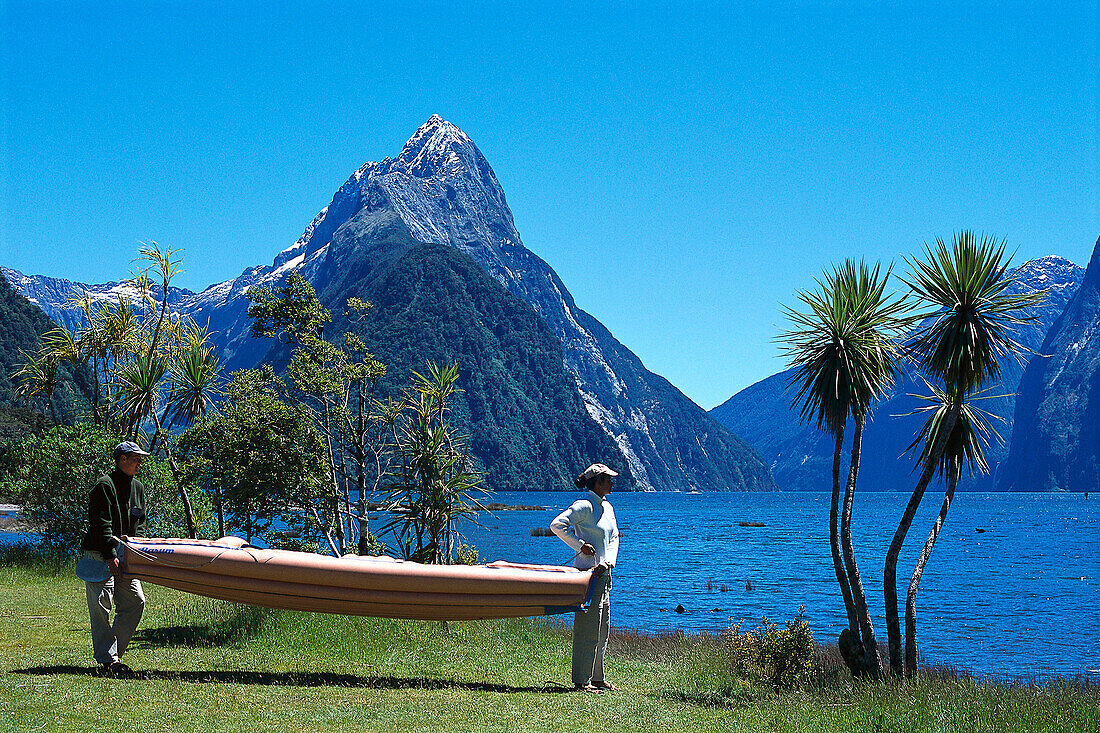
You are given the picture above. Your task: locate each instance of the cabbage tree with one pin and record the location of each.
(969, 321)
(844, 350)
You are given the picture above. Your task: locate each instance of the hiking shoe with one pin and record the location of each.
(117, 669)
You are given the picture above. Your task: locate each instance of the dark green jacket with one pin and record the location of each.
(116, 508)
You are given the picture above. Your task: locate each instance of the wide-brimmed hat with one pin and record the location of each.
(128, 447)
(596, 469)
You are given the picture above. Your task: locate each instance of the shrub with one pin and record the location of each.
(53, 473)
(781, 657)
(736, 666)
(466, 554)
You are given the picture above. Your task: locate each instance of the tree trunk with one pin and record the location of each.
(221, 511)
(914, 583)
(890, 573)
(334, 479)
(834, 538)
(361, 475)
(324, 530)
(867, 631)
(188, 512)
(95, 397)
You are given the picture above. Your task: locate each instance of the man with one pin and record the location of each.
(589, 527)
(116, 508)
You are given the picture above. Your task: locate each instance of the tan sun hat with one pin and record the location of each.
(596, 469)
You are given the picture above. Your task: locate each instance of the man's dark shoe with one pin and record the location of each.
(117, 669)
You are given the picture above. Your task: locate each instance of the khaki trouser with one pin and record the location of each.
(109, 641)
(590, 631)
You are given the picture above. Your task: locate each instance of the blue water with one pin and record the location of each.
(1019, 598)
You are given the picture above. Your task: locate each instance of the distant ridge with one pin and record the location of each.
(800, 456)
(1056, 440)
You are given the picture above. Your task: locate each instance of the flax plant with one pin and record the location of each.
(434, 481)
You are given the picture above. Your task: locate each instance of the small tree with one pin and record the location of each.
(843, 348)
(337, 384)
(970, 320)
(259, 457)
(433, 482)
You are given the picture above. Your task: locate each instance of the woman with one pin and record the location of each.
(589, 527)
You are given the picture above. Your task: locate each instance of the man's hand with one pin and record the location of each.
(601, 568)
(588, 549)
(115, 566)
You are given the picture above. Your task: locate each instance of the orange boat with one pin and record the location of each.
(231, 570)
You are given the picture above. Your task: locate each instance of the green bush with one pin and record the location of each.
(780, 657)
(52, 474)
(466, 555)
(736, 666)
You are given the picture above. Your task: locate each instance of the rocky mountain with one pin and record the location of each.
(519, 405)
(443, 191)
(801, 457)
(1056, 440)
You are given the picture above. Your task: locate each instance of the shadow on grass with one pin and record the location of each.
(194, 635)
(226, 623)
(296, 679)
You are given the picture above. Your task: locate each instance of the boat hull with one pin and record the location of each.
(228, 569)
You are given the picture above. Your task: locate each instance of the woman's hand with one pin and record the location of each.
(115, 566)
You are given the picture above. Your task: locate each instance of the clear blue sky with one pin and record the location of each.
(684, 170)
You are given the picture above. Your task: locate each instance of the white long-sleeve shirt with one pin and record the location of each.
(590, 520)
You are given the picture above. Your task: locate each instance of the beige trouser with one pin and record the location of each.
(590, 631)
(109, 641)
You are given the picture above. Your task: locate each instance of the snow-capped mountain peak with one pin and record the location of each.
(437, 146)
(443, 191)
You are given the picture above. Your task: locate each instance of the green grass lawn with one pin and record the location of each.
(212, 666)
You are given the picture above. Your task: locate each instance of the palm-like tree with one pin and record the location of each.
(138, 391)
(162, 260)
(844, 350)
(110, 340)
(194, 379)
(970, 320)
(139, 394)
(38, 376)
(434, 482)
(964, 448)
(59, 346)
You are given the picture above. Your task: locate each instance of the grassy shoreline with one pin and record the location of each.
(212, 666)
